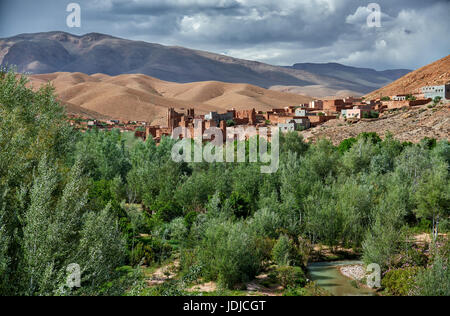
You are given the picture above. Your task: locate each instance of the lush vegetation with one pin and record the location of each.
(110, 204)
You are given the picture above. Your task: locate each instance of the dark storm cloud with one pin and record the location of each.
(157, 7)
(413, 32)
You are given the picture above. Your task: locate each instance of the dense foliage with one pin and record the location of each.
(47, 219)
(101, 200)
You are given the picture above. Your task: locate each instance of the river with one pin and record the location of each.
(327, 276)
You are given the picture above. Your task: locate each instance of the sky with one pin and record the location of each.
(412, 33)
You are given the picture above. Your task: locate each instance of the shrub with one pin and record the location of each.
(434, 281)
(240, 205)
(296, 291)
(284, 252)
(190, 219)
(412, 256)
(265, 246)
(166, 210)
(400, 282)
(291, 276)
(229, 253)
(374, 114)
(177, 228)
(346, 145)
(150, 250)
(372, 137)
(265, 223)
(444, 225)
(141, 254)
(437, 100)
(230, 123)
(168, 288)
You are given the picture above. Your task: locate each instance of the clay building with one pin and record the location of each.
(245, 117)
(333, 105)
(355, 113)
(400, 97)
(320, 119)
(316, 105)
(219, 117)
(174, 118)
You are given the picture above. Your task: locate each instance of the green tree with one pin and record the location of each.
(320, 162)
(386, 237)
(229, 253)
(433, 195)
(346, 144)
(284, 252)
(266, 223)
(359, 157)
(239, 204)
(323, 222)
(100, 249)
(293, 142)
(44, 209)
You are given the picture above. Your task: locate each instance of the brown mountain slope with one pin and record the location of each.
(436, 73)
(143, 98)
(410, 125)
(79, 111)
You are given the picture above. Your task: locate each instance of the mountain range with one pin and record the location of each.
(94, 53)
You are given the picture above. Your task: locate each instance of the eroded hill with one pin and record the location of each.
(143, 98)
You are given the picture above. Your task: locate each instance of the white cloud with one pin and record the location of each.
(409, 39)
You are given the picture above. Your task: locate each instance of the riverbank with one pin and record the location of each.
(322, 253)
(328, 276)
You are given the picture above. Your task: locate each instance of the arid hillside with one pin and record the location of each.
(406, 125)
(437, 73)
(143, 98)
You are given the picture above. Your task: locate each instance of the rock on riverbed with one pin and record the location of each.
(355, 272)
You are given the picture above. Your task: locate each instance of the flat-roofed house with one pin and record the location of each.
(442, 91)
(333, 105)
(401, 97)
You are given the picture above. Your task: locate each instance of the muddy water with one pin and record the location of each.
(327, 276)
